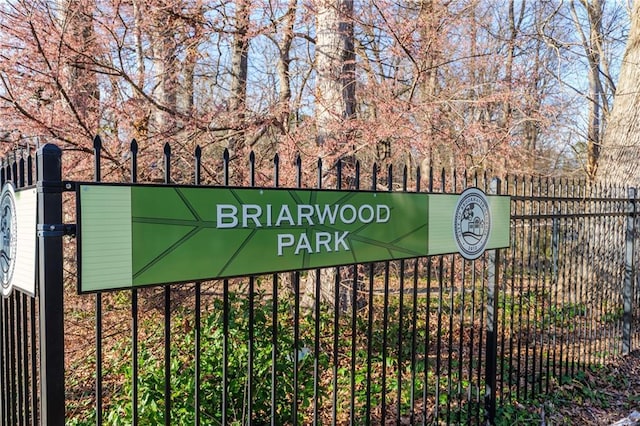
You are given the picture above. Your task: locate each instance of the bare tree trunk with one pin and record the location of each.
(187, 88)
(621, 144)
(80, 88)
(238, 99)
(592, 44)
(165, 76)
(514, 31)
(428, 85)
(335, 67)
(335, 92)
(284, 81)
(619, 153)
(137, 22)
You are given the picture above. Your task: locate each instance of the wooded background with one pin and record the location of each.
(501, 86)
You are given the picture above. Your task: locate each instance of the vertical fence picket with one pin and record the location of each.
(35, 379)
(12, 323)
(602, 325)
(573, 282)
(297, 350)
(19, 372)
(563, 233)
(559, 236)
(336, 320)
(555, 275)
(97, 152)
(597, 296)
(534, 297)
(461, 313)
(586, 282)
(617, 293)
(225, 316)
(579, 273)
(401, 281)
(414, 324)
(521, 238)
(30, 168)
(21, 171)
(527, 267)
(13, 344)
(167, 311)
(546, 290)
(370, 311)
(628, 276)
(274, 317)
(476, 277)
(541, 288)
(571, 289)
(440, 278)
(503, 303)
(12, 356)
(385, 317)
(604, 291)
(14, 171)
(493, 276)
(197, 180)
(636, 301)
(316, 328)
(546, 296)
(354, 318)
(26, 381)
(133, 151)
(635, 316)
(251, 308)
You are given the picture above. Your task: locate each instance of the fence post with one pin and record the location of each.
(627, 289)
(492, 326)
(50, 285)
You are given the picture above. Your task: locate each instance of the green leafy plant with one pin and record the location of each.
(151, 381)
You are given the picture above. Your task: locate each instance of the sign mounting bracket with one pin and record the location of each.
(56, 230)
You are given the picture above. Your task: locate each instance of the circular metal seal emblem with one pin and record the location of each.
(471, 223)
(8, 237)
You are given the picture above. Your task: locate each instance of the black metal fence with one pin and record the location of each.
(419, 341)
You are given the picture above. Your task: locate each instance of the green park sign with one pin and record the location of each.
(141, 235)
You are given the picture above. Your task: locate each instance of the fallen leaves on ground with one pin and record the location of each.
(600, 395)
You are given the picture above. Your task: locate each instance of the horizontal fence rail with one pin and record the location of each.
(426, 340)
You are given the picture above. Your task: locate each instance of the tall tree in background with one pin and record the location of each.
(239, 64)
(600, 83)
(335, 68)
(80, 85)
(621, 144)
(165, 63)
(335, 95)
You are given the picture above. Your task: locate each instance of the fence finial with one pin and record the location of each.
(97, 143)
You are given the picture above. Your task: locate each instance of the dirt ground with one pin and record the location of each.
(601, 396)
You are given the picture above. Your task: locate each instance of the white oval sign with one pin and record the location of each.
(472, 223)
(8, 237)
